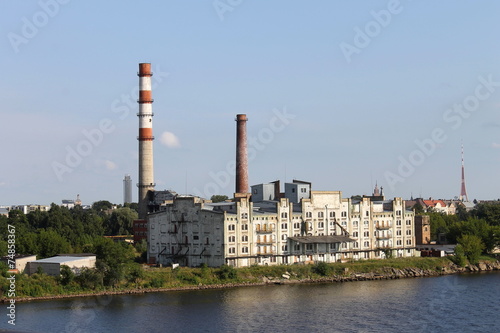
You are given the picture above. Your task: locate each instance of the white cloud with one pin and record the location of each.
(495, 145)
(110, 165)
(170, 140)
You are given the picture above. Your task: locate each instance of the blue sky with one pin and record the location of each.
(340, 93)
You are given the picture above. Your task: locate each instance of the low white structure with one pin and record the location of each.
(20, 261)
(52, 266)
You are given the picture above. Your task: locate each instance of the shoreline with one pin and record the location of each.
(389, 273)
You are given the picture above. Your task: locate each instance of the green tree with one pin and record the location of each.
(472, 247)
(218, 198)
(102, 205)
(51, 243)
(418, 209)
(121, 222)
(67, 275)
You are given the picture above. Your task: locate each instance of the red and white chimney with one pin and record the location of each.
(146, 176)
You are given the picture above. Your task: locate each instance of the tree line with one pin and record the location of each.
(476, 231)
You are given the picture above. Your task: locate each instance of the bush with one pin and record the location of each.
(321, 268)
(472, 246)
(459, 258)
(227, 273)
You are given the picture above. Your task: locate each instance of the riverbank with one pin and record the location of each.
(207, 278)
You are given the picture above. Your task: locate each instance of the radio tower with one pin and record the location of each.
(463, 191)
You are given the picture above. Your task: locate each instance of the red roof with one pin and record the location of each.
(433, 203)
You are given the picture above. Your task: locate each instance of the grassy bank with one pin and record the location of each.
(139, 278)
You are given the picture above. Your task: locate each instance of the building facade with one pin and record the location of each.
(322, 227)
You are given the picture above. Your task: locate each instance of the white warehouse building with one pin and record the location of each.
(298, 226)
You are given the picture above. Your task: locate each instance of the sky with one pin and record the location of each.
(344, 94)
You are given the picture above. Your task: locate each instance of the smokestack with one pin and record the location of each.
(146, 178)
(241, 154)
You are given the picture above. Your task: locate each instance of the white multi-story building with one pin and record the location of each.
(322, 227)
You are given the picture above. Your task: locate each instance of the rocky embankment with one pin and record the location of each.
(389, 273)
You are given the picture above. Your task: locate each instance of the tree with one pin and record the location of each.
(472, 247)
(102, 205)
(67, 275)
(218, 198)
(121, 222)
(418, 208)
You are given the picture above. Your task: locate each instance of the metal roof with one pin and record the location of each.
(321, 239)
(62, 259)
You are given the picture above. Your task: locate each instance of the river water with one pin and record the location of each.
(454, 303)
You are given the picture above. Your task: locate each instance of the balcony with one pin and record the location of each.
(264, 229)
(386, 236)
(265, 242)
(385, 225)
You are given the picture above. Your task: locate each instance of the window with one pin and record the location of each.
(398, 213)
(284, 237)
(296, 225)
(244, 215)
(398, 242)
(296, 247)
(293, 190)
(366, 234)
(320, 214)
(244, 227)
(355, 223)
(308, 214)
(398, 222)
(321, 225)
(207, 242)
(344, 245)
(332, 214)
(355, 234)
(244, 238)
(408, 242)
(196, 237)
(244, 249)
(366, 244)
(356, 245)
(303, 190)
(367, 213)
(408, 232)
(232, 250)
(232, 239)
(284, 215)
(343, 214)
(230, 227)
(284, 248)
(398, 232)
(408, 222)
(309, 247)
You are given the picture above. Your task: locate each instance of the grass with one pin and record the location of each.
(155, 277)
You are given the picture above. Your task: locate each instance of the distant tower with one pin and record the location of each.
(463, 191)
(127, 189)
(146, 177)
(78, 202)
(241, 154)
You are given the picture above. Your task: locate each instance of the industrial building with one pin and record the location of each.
(20, 261)
(52, 266)
(321, 227)
(261, 225)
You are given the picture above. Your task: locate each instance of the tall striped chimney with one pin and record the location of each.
(241, 154)
(146, 177)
